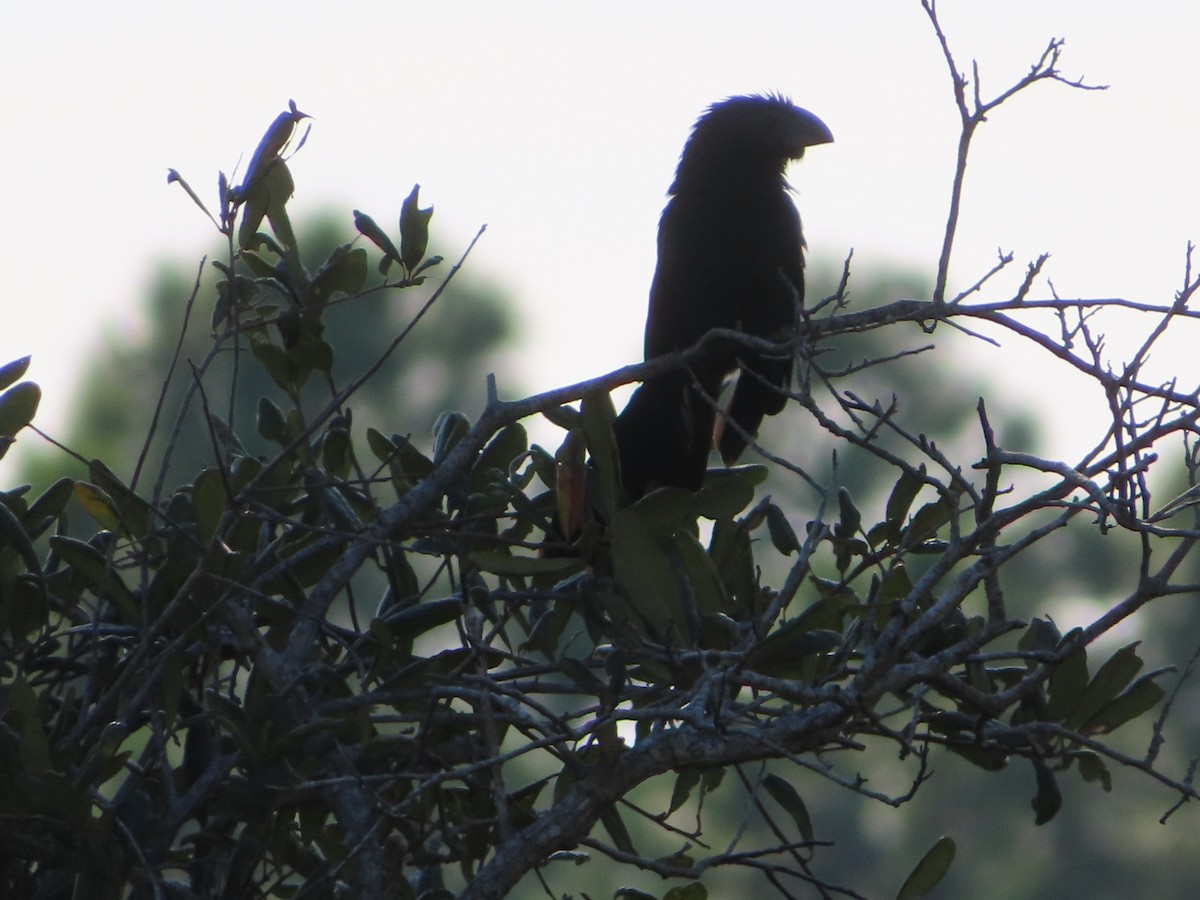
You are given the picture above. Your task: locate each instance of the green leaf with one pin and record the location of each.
(686, 781)
(570, 485)
(617, 833)
(280, 187)
(258, 266)
(256, 199)
(278, 364)
(371, 231)
(544, 465)
(1042, 634)
(498, 456)
(336, 452)
(98, 505)
(565, 417)
(850, 517)
(785, 795)
(134, 512)
(50, 504)
(209, 502)
(13, 534)
(929, 872)
(448, 429)
(383, 448)
(648, 577)
(344, 272)
(846, 546)
(726, 492)
(427, 263)
(733, 556)
(413, 463)
(81, 556)
(1048, 800)
(337, 507)
(18, 405)
(414, 230)
(1066, 685)
(308, 355)
(896, 584)
(597, 416)
(1140, 697)
(926, 522)
(693, 891)
(783, 536)
(702, 576)
(406, 463)
(713, 778)
(221, 307)
(900, 502)
(244, 469)
(271, 422)
(667, 510)
(10, 372)
(1093, 768)
(90, 563)
(1113, 677)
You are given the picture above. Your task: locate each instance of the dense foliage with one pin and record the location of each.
(367, 663)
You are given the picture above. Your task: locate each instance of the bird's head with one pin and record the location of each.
(749, 135)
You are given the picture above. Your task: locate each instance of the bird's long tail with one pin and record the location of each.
(760, 391)
(665, 433)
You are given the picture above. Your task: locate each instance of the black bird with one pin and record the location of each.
(730, 255)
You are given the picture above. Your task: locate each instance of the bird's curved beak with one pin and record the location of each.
(810, 131)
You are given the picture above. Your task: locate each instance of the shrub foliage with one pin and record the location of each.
(367, 662)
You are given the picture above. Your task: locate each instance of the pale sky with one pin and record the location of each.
(559, 125)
